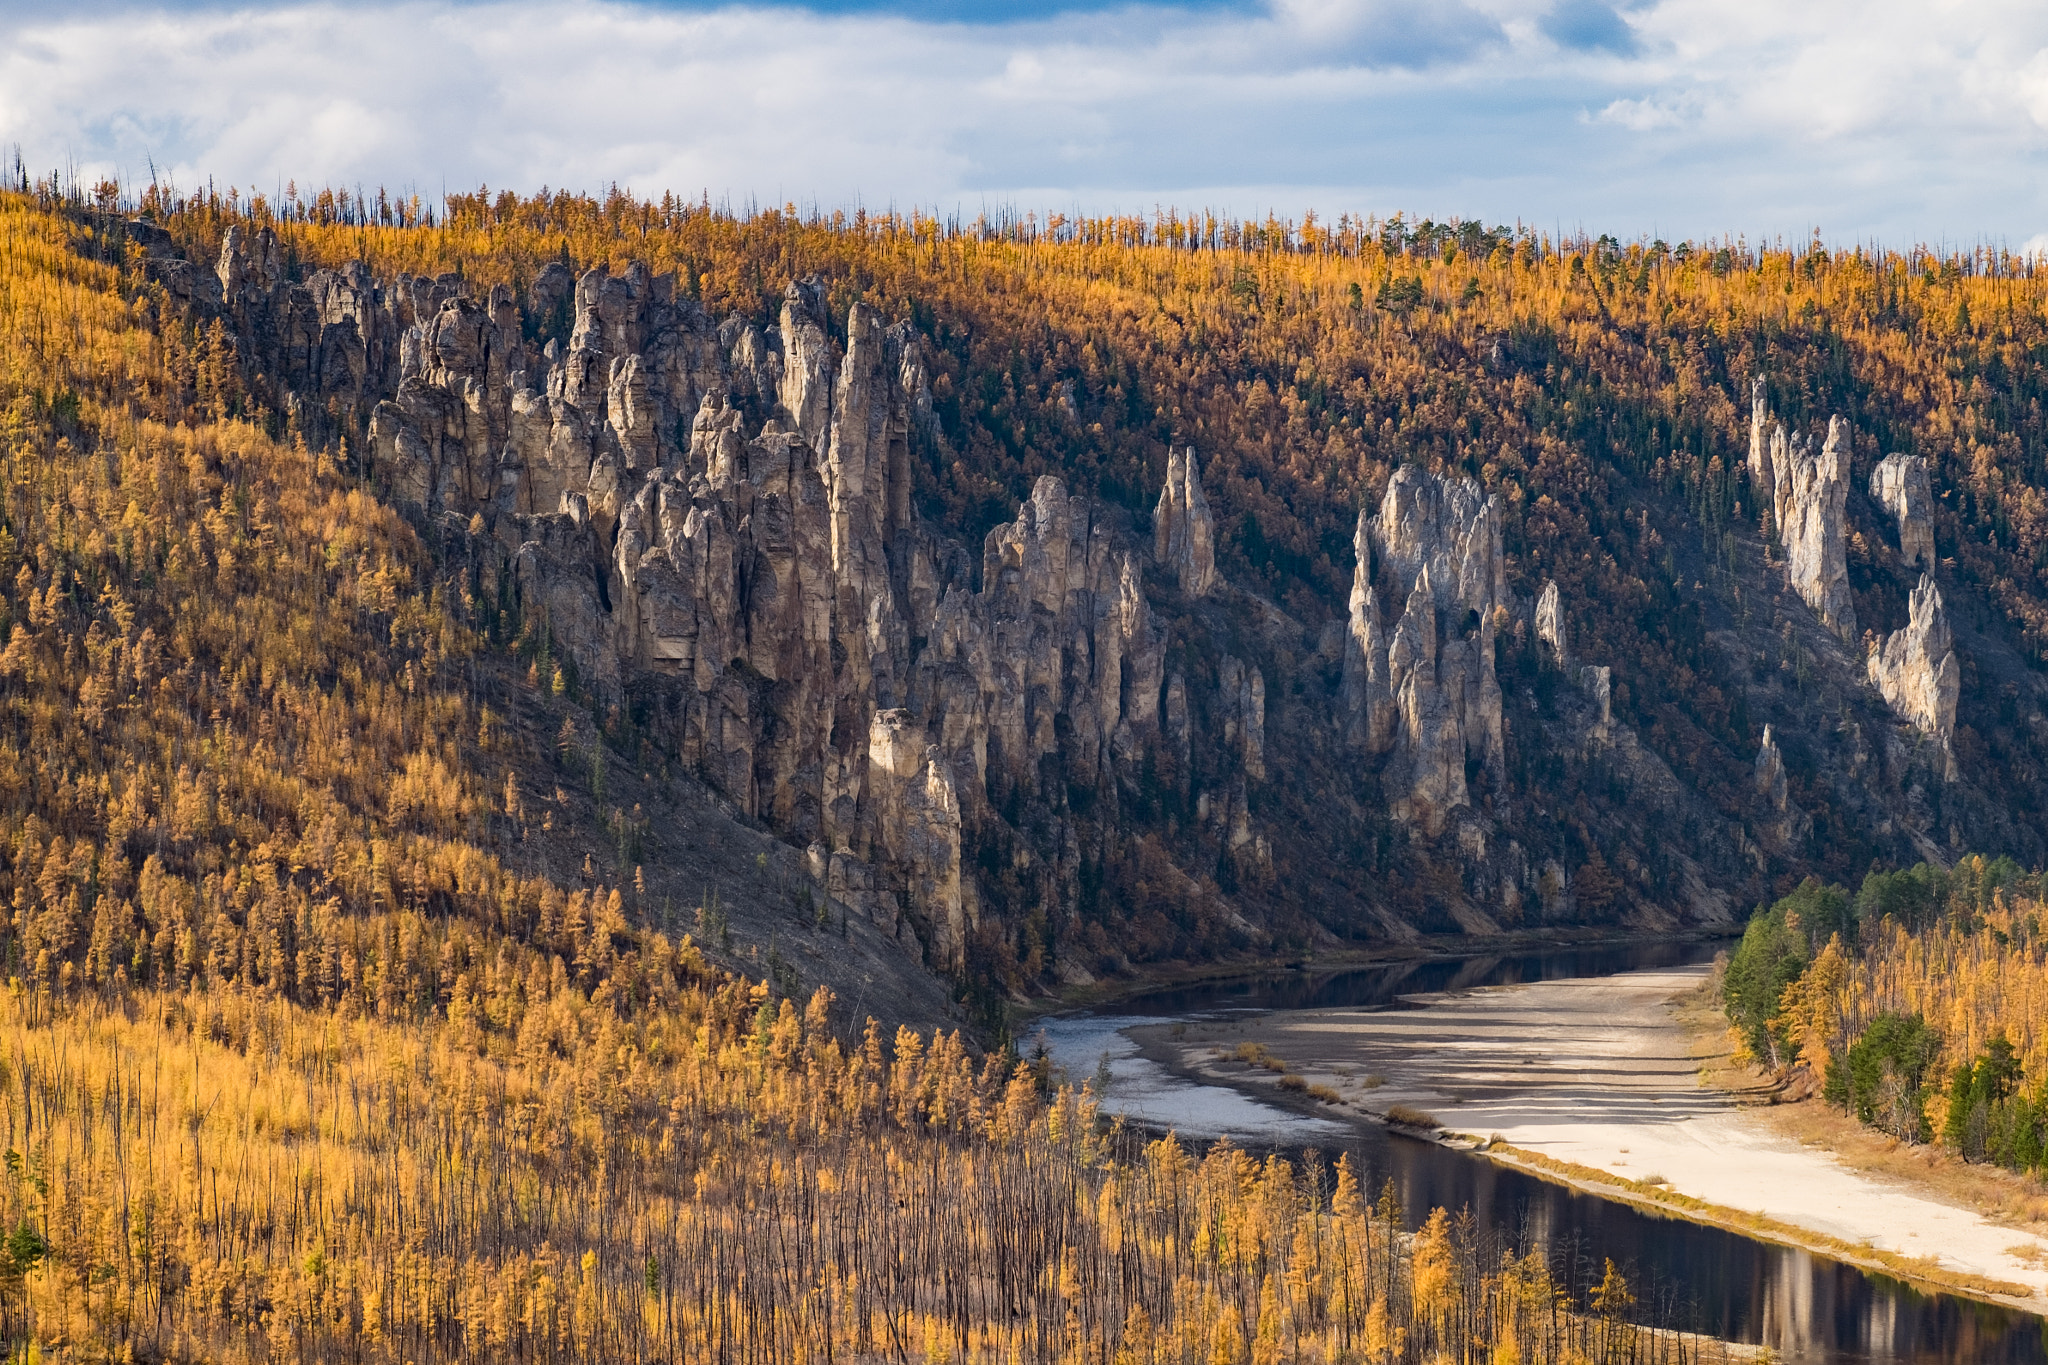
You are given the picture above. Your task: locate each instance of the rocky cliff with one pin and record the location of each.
(1184, 535)
(840, 671)
(1809, 495)
(1901, 486)
(1073, 741)
(1916, 670)
(1422, 683)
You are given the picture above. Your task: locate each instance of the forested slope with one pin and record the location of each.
(1920, 1004)
(348, 1019)
(1028, 732)
(1598, 395)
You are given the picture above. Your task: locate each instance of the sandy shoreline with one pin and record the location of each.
(1597, 1073)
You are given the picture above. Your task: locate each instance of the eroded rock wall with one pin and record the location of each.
(1422, 684)
(1809, 494)
(1916, 669)
(1901, 486)
(712, 521)
(842, 675)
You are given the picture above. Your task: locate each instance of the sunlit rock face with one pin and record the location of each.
(1901, 486)
(845, 677)
(1421, 683)
(1916, 669)
(1184, 536)
(1809, 494)
(710, 524)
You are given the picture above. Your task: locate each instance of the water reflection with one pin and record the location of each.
(1360, 987)
(1805, 1307)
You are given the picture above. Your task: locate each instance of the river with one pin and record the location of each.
(1805, 1307)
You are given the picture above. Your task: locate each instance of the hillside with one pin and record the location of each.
(358, 1008)
(1040, 601)
(250, 736)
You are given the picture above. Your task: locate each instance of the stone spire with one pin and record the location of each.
(1770, 772)
(1901, 486)
(1916, 668)
(1424, 685)
(1185, 537)
(1809, 498)
(1550, 626)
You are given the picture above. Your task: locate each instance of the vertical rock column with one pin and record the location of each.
(1809, 498)
(1901, 486)
(1816, 551)
(916, 811)
(1425, 686)
(1916, 668)
(1550, 627)
(1185, 538)
(1368, 702)
(1242, 700)
(1783, 824)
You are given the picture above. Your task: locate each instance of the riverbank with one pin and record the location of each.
(1597, 1082)
(1101, 993)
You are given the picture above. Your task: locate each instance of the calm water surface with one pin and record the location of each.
(1805, 1307)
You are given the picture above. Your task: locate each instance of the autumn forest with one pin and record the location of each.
(367, 999)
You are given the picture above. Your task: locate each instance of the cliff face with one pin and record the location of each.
(1079, 742)
(841, 672)
(1809, 496)
(1184, 536)
(1916, 669)
(1423, 682)
(1901, 486)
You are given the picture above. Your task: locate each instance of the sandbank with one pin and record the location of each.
(1581, 1077)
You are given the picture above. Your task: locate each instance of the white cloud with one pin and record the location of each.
(1709, 115)
(1641, 116)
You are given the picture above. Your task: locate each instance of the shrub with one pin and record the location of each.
(1257, 1054)
(1411, 1117)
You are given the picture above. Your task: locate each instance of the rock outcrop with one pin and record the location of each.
(1770, 772)
(1916, 668)
(1809, 496)
(1553, 636)
(841, 675)
(1550, 626)
(1423, 684)
(1783, 824)
(1241, 696)
(1900, 485)
(1184, 536)
(1598, 680)
(708, 524)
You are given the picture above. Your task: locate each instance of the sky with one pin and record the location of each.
(1681, 119)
